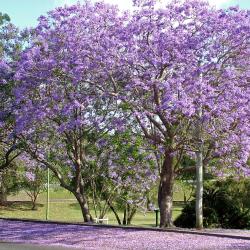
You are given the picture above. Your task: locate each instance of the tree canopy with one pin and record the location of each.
(175, 76)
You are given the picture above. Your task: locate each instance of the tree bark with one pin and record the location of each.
(3, 195)
(3, 191)
(125, 215)
(128, 214)
(165, 192)
(33, 205)
(82, 200)
(115, 213)
(131, 216)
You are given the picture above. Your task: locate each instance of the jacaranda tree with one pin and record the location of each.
(181, 72)
(64, 104)
(188, 88)
(11, 42)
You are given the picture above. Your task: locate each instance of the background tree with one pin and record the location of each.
(12, 42)
(10, 47)
(33, 179)
(9, 183)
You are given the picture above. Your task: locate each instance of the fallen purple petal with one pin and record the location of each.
(91, 237)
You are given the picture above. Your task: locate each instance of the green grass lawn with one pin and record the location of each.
(64, 207)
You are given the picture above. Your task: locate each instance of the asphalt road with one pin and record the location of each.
(13, 246)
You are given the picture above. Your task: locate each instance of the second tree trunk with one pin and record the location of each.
(165, 192)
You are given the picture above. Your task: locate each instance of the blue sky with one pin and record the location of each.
(24, 13)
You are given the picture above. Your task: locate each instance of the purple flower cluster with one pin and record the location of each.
(80, 65)
(155, 71)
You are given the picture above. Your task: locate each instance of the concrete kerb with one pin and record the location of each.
(173, 230)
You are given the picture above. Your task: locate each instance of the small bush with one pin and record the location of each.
(219, 210)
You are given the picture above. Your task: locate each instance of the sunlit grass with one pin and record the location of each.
(66, 211)
(64, 207)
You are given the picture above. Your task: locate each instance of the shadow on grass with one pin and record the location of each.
(75, 206)
(18, 205)
(180, 203)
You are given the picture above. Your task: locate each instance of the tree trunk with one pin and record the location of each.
(185, 198)
(82, 200)
(165, 192)
(3, 195)
(129, 213)
(3, 191)
(115, 213)
(34, 202)
(131, 216)
(33, 205)
(125, 216)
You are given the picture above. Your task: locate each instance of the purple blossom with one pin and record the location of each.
(87, 237)
(30, 176)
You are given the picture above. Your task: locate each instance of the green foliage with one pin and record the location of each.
(222, 207)
(4, 18)
(10, 180)
(239, 190)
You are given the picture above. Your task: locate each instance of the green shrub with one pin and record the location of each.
(219, 210)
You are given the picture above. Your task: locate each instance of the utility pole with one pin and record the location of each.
(47, 204)
(199, 176)
(199, 166)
